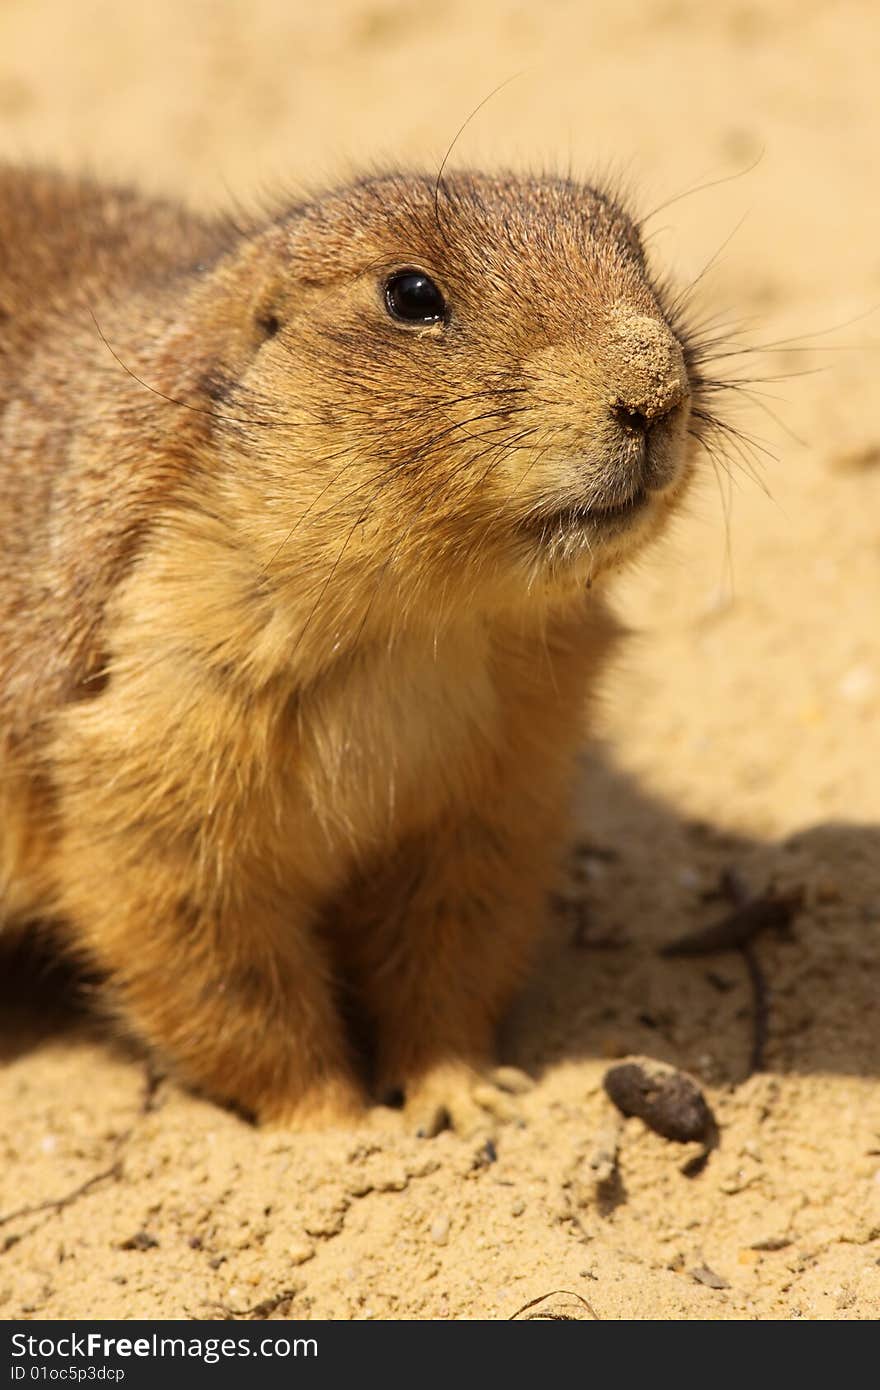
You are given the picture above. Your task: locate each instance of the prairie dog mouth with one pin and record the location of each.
(617, 510)
(612, 517)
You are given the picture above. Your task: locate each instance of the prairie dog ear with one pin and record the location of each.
(230, 312)
(244, 296)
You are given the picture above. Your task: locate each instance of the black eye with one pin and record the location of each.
(412, 297)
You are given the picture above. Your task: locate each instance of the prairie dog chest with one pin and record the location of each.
(400, 733)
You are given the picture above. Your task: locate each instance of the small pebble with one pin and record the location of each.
(707, 1276)
(440, 1230)
(299, 1251)
(772, 1242)
(141, 1240)
(603, 1160)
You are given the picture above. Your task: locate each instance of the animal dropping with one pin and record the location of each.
(668, 1101)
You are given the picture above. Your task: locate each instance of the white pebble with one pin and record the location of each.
(440, 1230)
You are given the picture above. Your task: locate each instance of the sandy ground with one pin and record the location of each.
(742, 728)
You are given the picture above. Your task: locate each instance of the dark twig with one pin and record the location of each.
(59, 1203)
(740, 926)
(259, 1310)
(555, 1317)
(737, 932)
(760, 1007)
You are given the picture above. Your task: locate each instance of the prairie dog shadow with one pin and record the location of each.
(649, 876)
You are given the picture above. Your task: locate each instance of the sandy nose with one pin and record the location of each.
(647, 370)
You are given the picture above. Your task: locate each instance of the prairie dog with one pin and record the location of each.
(305, 528)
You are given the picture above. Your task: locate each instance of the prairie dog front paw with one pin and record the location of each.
(470, 1100)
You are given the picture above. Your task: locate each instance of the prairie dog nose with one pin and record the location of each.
(636, 421)
(647, 369)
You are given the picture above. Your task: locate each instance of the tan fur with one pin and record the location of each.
(298, 629)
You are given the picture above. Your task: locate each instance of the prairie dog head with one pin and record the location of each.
(474, 392)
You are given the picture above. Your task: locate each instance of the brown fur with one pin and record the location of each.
(297, 631)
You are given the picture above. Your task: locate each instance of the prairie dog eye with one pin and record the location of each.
(412, 297)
